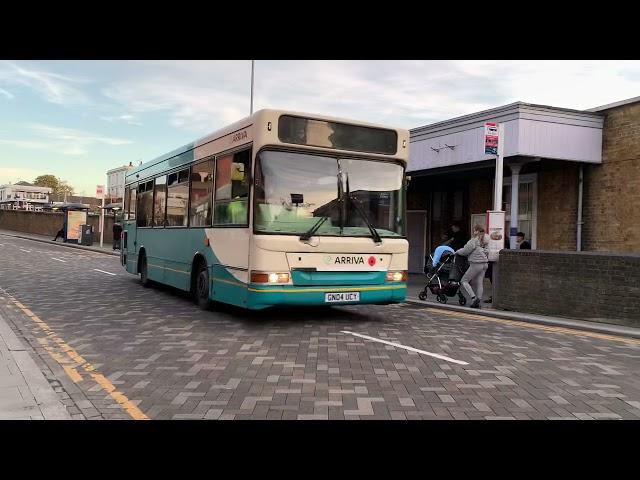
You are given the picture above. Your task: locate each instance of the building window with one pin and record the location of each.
(178, 199)
(232, 189)
(159, 201)
(201, 194)
(145, 204)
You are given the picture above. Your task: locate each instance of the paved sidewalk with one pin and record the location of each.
(25, 393)
(417, 282)
(106, 248)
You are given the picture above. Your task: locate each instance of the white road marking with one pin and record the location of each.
(411, 349)
(28, 251)
(58, 259)
(108, 273)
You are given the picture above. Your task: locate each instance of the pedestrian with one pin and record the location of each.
(456, 238)
(521, 242)
(59, 234)
(478, 255)
(117, 232)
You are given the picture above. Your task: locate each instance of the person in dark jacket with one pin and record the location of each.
(59, 234)
(455, 237)
(522, 243)
(117, 231)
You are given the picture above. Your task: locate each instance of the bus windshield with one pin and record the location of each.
(295, 192)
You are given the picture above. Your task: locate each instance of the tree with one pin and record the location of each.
(60, 187)
(50, 181)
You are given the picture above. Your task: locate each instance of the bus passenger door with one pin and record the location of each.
(129, 246)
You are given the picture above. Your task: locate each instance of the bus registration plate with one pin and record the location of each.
(342, 297)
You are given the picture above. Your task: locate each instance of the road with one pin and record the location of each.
(115, 350)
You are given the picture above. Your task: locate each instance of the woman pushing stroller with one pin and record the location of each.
(476, 252)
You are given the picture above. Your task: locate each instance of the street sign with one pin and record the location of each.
(490, 138)
(99, 191)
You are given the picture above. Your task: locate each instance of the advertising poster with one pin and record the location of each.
(491, 138)
(495, 230)
(75, 219)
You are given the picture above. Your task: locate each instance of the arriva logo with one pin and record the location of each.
(327, 259)
(349, 260)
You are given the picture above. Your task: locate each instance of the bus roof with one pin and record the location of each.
(244, 123)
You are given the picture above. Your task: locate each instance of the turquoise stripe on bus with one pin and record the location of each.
(260, 298)
(302, 277)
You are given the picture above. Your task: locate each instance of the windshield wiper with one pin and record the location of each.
(309, 233)
(354, 202)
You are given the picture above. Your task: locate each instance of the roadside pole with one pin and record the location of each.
(100, 192)
(494, 144)
(497, 206)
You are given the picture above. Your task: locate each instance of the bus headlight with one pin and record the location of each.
(401, 276)
(269, 277)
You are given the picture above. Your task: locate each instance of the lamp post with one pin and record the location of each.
(252, 69)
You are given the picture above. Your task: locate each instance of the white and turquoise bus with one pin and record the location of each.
(280, 208)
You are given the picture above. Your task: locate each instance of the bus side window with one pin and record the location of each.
(232, 189)
(145, 204)
(178, 199)
(132, 203)
(201, 194)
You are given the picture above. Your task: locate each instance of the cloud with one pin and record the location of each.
(128, 119)
(196, 95)
(65, 141)
(6, 93)
(53, 87)
(205, 95)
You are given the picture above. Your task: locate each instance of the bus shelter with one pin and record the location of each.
(74, 218)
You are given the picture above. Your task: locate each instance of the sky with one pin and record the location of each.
(78, 119)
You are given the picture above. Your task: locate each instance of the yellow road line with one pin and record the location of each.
(79, 362)
(536, 326)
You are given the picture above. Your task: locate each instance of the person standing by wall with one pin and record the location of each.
(522, 243)
(477, 253)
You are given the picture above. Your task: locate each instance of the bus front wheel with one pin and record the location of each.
(202, 287)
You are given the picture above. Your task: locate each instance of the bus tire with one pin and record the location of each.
(144, 272)
(202, 289)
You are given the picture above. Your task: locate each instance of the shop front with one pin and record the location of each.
(545, 151)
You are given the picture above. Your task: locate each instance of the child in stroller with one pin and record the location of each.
(444, 269)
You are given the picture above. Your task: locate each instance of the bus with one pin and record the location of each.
(280, 208)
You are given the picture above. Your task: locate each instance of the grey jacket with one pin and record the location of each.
(476, 252)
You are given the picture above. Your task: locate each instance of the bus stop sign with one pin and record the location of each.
(490, 138)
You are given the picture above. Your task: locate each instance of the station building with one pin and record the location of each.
(576, 174)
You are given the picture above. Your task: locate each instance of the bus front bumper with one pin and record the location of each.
(263, 296)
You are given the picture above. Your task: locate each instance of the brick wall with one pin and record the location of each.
(557, 206)
(612, 190)
(603, 287)
(48, 223)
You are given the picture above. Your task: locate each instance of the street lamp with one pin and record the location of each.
(251, 107)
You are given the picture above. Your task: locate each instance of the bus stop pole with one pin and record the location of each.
(102, 221)
(499, 170)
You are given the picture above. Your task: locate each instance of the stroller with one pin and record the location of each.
(444, 277)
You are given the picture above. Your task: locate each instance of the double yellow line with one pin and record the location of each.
(77, 362)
